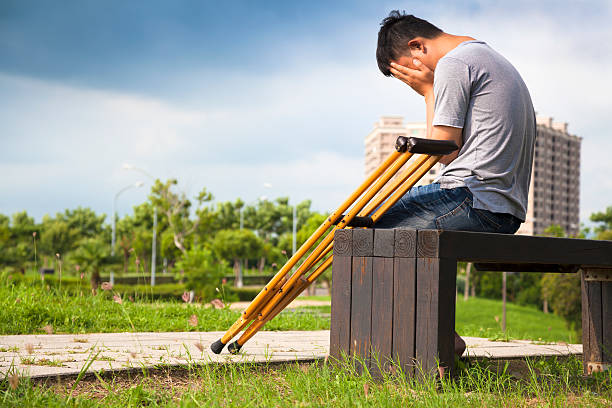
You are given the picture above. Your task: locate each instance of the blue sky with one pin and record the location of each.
(235, 96)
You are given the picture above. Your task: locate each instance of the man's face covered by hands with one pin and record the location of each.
(411, 70)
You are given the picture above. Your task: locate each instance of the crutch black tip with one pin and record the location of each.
(217, 346)
(234, 348)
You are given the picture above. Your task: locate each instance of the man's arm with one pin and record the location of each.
(442, 132)
(421, 80)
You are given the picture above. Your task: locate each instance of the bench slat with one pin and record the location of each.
(341, 294)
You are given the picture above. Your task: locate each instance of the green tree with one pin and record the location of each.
(200, 271)
(603, 231)
(62, 233)
(235, 245)
(176, 208)
(306, 230)
(17, 247)
(92, 255)
(562, 291)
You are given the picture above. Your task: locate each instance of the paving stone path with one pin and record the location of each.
(67, 354)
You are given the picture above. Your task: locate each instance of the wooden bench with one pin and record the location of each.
(393, 291)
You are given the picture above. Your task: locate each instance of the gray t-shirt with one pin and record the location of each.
(480, 91)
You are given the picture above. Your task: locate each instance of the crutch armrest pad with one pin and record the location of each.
(358, 222)
(425, 146)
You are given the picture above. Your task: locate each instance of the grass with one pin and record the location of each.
(551, 383)
(476, 317)
(27, 310)
(38, 309)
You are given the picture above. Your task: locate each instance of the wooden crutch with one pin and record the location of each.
(279, 292)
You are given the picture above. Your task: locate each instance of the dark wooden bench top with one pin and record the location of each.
(519, 249)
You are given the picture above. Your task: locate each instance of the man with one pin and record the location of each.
(475, 98)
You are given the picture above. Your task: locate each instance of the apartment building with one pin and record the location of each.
(381, 142)
(554, 193)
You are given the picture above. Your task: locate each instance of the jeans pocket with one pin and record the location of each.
(455, 218)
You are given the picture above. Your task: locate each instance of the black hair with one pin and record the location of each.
(396, 31)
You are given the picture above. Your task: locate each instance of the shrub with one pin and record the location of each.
(563, 293)
(201, 273)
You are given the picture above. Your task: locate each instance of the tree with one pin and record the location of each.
(201, 272)
(306, 230)
(62, 233)
(562, 291)
(603, 231)
(92, 255)
(234, 245)
(176, 208)
(18, 249)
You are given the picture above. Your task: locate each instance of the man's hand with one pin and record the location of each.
(420, 79)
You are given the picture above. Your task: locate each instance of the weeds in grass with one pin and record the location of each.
(341, 384)
(92, 357)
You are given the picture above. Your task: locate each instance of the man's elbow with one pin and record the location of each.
(447, 159)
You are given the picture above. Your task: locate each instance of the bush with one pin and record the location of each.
(563, 293)
(243, 294)
(201, 273)
(522, 288)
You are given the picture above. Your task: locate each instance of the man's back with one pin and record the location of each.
(480, 91)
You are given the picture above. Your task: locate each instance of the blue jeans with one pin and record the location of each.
(432, 207)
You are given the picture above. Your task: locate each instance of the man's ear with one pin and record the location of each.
(416, 46)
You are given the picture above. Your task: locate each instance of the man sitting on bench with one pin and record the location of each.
(475, 98)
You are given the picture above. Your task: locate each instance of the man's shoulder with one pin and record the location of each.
(468, 52)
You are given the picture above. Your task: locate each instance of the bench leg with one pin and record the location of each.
(435, 314)
(596, 320)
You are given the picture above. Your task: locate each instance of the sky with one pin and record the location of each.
(255, 98)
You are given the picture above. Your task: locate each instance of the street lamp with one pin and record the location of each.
(127, 166)
(135, 185)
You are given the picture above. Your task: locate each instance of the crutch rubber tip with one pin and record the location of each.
(234, 348)
(217, 346)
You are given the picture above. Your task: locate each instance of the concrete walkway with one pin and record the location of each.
(67, 354)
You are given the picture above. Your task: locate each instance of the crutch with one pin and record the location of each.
(367, 204)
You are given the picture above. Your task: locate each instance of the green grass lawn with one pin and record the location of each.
(477, 318)
(28, 309)
(549, 383)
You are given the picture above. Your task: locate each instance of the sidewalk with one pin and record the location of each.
(66, 354)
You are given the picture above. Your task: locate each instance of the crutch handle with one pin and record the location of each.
(357, 222)
(424, 146)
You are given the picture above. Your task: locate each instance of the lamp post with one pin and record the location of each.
(113, 238)
(154, 240)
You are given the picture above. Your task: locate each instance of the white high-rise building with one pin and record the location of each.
(381, 142)
(554, 193)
